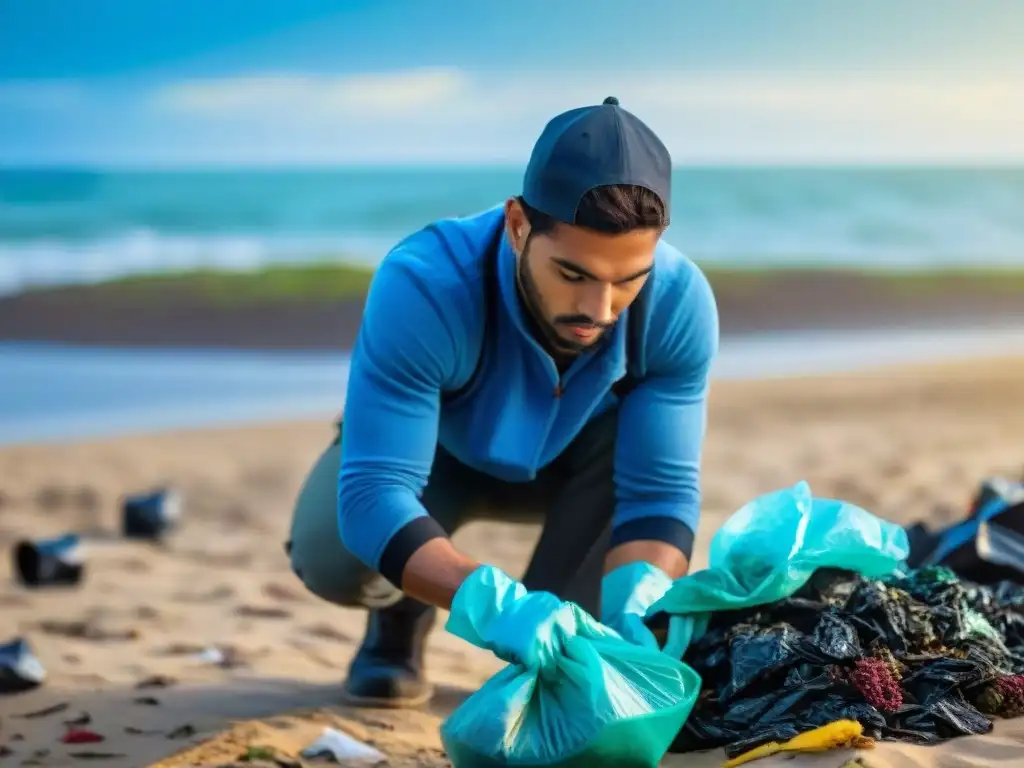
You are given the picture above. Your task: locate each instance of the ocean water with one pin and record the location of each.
(53, 392)
(65, 226)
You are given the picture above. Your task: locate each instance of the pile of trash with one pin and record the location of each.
(921, 656)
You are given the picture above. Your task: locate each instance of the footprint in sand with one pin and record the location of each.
(154, 681)
(132, 565)
(262, 612)
(217, 594)
(235, 516)
(85, 498)
(50, 498)
(325, 631)
(85, 629)
(893, 469)
(181, 649)
(218, 559)
(282, 593)
(270, 478)
(146, 613)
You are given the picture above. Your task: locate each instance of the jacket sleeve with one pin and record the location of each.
(404, 355)
(662, 423)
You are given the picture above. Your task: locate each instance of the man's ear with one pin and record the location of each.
(516, 226)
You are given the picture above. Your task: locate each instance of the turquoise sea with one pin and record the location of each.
(74, 225)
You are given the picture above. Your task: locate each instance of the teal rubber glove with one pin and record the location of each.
(626, 595)
(493, 611)
(683, 630)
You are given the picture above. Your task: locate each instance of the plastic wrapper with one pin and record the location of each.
(56, 562)
(20, 670)
(769, 549)
(151, 515)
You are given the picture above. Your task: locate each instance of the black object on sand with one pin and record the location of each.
(20, 670)
(987, 546)
(54, 562)
(150, 515)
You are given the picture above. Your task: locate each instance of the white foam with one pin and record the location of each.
(50, 262)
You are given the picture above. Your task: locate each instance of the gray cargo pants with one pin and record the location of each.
(573, 498)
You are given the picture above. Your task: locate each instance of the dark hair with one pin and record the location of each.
(612, 209)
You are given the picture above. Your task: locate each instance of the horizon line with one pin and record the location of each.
(471, 165)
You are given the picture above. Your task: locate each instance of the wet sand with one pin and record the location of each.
(906, 443)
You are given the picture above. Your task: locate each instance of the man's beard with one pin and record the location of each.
(531, 298)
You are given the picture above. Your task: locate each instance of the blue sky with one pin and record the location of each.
(137, 82)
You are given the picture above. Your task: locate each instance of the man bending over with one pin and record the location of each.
(543, 360)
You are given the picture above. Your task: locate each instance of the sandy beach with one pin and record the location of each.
(131, 647)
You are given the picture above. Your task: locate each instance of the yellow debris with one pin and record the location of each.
(837, 735)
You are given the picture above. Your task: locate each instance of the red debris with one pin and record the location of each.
(81, 736)
(1011, 689)
(873, 678)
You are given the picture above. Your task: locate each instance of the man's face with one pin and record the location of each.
(576, 282)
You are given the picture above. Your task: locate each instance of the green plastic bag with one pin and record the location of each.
(769, 548)
(601, 703)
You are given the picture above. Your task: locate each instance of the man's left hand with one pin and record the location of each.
(626, 595)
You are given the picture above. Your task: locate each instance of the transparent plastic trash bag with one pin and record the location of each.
(601, 702)
(769, 548)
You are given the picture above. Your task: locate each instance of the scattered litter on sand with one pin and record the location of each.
(341, 747)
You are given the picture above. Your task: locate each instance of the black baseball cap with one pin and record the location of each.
(590, 147)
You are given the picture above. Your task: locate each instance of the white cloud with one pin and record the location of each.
(277, 96)
(745, 114)
(447, 114)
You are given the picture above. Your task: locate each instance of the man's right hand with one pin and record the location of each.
(494, 611)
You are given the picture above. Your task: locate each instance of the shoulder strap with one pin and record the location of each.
(491, 296)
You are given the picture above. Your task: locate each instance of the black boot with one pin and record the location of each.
(388, 669)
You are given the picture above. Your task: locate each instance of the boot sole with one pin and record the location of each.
(370, 702)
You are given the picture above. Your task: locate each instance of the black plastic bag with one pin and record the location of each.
(922, 657)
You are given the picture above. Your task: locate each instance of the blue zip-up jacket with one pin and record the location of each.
(422, 335)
